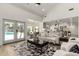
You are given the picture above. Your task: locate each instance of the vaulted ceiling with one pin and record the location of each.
(40, 9)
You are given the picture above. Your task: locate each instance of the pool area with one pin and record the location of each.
(10, 35)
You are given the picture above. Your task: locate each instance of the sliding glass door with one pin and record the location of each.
(20, 30)
(13, 31)
(8, 30)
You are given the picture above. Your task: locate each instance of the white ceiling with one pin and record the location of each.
(32, 7)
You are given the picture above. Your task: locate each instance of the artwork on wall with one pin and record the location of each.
(71, 25)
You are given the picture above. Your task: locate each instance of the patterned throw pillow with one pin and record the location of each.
(75, 49)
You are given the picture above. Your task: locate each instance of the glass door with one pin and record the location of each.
(13, 31)
(9, 33)
(20, 31)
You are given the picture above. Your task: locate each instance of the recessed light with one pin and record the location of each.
(43, 9)
(36, 5)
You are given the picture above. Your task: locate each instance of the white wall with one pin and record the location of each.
(61, 11)
(11, 12)
(1, 33)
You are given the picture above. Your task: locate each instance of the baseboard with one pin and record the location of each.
(13, 42)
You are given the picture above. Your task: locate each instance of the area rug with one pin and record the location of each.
(23, 50)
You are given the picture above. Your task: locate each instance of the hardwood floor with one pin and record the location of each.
(7, 50)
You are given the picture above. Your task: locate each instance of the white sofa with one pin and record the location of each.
(65, 47)
(64, 53)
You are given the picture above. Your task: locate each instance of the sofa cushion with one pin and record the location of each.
(64, 53)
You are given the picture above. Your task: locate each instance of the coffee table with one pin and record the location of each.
(38, 45)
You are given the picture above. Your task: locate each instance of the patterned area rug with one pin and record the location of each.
(23, 50)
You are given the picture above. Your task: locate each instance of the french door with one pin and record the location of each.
(13, 31)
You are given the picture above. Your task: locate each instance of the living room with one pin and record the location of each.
(39, 29)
